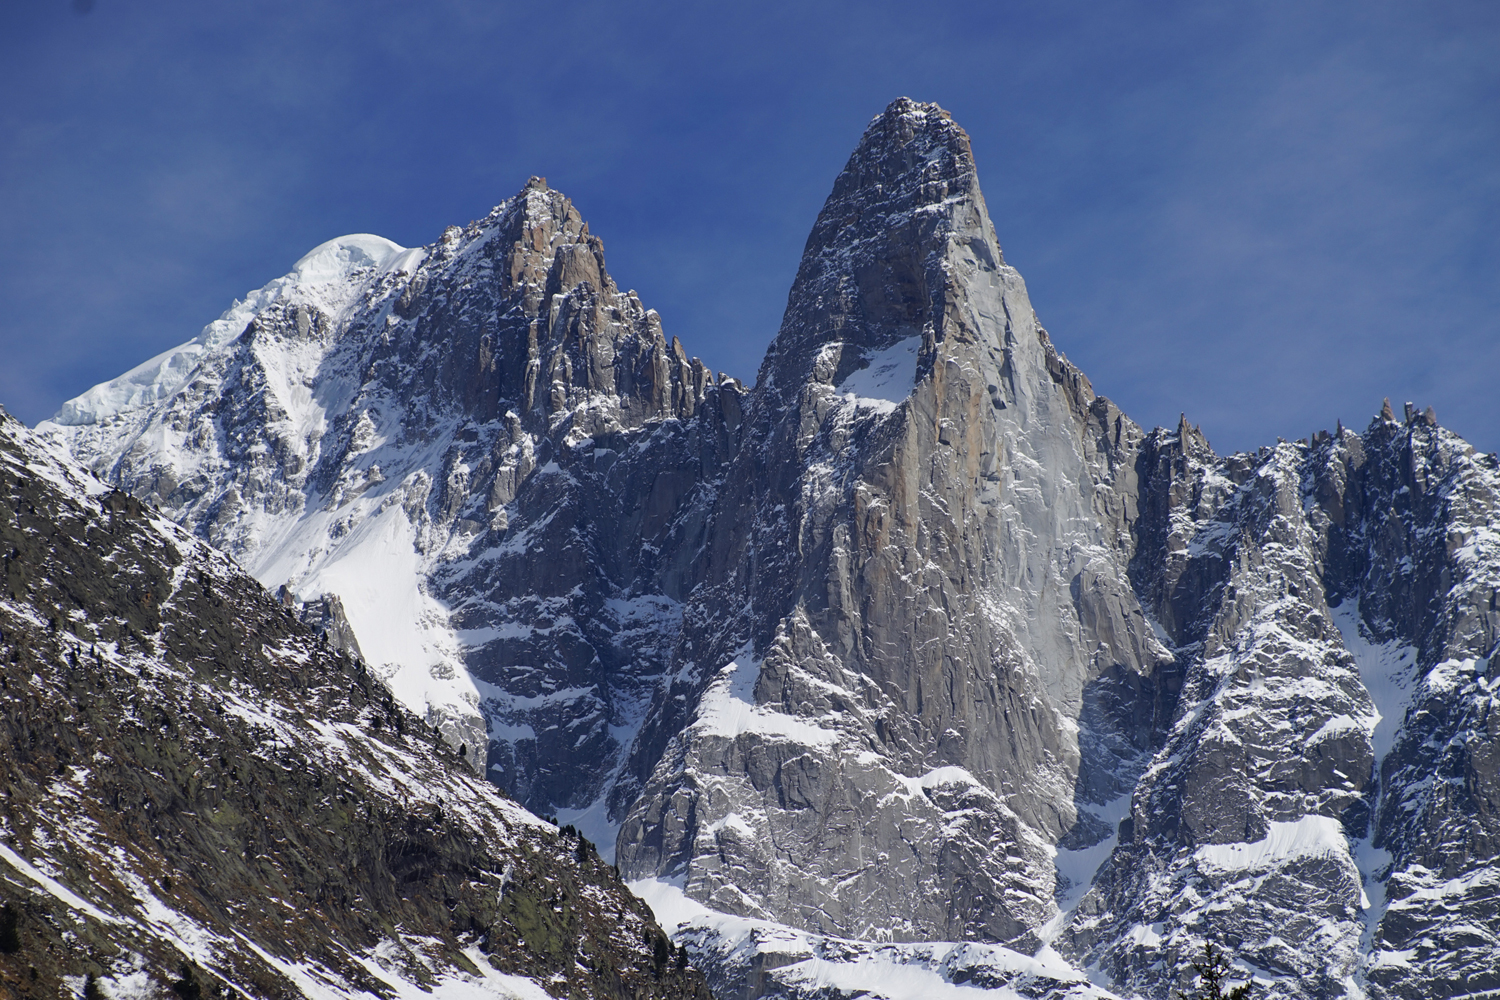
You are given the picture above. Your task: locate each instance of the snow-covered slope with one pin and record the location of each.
(749, 957)
(247, 473)
(329, 278)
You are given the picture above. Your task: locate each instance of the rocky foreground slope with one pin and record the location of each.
(918, 654)
(201, 797)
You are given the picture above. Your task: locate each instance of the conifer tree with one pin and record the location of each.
(10, 938)
(1213, 978)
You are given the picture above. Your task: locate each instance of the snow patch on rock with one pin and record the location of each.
(728, 709)
(887, 377)
(801, 964)
(1310, 836)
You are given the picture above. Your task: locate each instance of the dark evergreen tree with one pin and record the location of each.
(188, 987)
(10, 936)
(661, 954)
(1213, 978)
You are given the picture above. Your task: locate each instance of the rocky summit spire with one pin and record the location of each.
(908, 590)
(532, 322)
(873, 271)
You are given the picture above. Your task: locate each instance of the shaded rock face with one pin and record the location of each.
(202, 795)
(1414, 540)
(918, 639)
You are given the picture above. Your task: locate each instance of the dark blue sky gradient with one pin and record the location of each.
(1267, 215)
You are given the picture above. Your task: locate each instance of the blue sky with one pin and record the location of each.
(1266, 215)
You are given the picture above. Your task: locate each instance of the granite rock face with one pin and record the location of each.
(1320, 800)
(912, 585)
(917, 640)
(1415, 545)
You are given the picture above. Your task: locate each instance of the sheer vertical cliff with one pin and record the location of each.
(918, 568)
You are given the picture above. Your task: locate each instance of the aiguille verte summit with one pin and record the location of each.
(914, 642)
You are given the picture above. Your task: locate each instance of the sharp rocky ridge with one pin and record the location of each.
(917, 640)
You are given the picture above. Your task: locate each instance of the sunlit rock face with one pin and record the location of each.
(917, 640)
(917, 579)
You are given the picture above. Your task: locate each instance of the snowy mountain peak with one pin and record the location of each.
(919, 640)
(337, 259)
(327, 279)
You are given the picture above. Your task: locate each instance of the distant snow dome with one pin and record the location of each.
(332, 261)
(322, 278)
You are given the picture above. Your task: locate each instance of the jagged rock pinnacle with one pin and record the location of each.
(873, 269)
